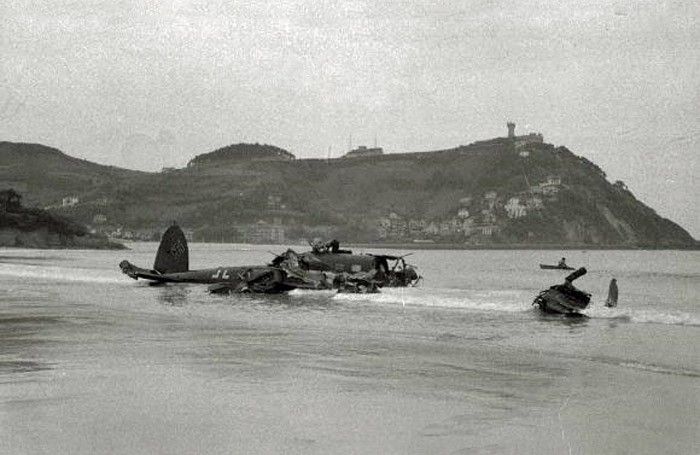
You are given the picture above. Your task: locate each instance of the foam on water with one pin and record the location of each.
(509, 302)
(643, 316)
(53, 273)
(502, 301)
(301, 293)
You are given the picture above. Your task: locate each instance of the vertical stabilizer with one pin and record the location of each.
(173, 255)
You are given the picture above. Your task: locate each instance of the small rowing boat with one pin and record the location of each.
(555, 267)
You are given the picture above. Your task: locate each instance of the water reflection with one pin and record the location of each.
(569, 320)
(173, 295)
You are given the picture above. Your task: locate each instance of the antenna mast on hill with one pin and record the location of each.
(350, 143)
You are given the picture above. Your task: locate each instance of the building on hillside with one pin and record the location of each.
(463, 213)
(521, 142)
(490, 199)
(383, 227)
(514, 208)
(551, 186)
(487, 230)
(536, 189)
(416, 227)
(364, 151)
(487, 216)
(432, 228)
(467, 227)
(534, 202)
(70, 201)
(463, 209)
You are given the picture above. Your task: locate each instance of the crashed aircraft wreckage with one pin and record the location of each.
(325, 267)
(564, 298)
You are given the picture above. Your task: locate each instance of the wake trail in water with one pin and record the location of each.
(501, 301)
(509, 301)
(52, 273)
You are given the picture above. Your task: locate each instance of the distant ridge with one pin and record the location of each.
(488, 193)
(243, 152)
(44, 175)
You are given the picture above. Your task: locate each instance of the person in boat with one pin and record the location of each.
(562, 263)
(333, 246)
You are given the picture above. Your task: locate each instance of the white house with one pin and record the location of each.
(70, 201)
(515, 209)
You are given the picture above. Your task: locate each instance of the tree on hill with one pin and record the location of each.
(10, 200)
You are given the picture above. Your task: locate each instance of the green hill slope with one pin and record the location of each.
(487, 193)
(44, 175)
(37, 228)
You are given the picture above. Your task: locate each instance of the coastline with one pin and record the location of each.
(460, 246)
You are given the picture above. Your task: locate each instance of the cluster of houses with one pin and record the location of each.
(483, 216)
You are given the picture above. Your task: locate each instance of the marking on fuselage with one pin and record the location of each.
(223, 274)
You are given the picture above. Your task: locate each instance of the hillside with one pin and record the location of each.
(488, 193)
(45, 175)
(36, 228)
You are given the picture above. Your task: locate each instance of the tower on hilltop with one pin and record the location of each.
(511, 130)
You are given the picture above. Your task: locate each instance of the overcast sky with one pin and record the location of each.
(117, 82)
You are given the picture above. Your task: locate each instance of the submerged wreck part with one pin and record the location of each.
(564, 298)
(611, 301)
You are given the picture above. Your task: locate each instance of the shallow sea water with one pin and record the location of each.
(94, 362)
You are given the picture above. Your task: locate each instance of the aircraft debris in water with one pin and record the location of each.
(564, 298)
(326, 266)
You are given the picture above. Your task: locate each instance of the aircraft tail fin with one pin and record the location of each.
(173, 254)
